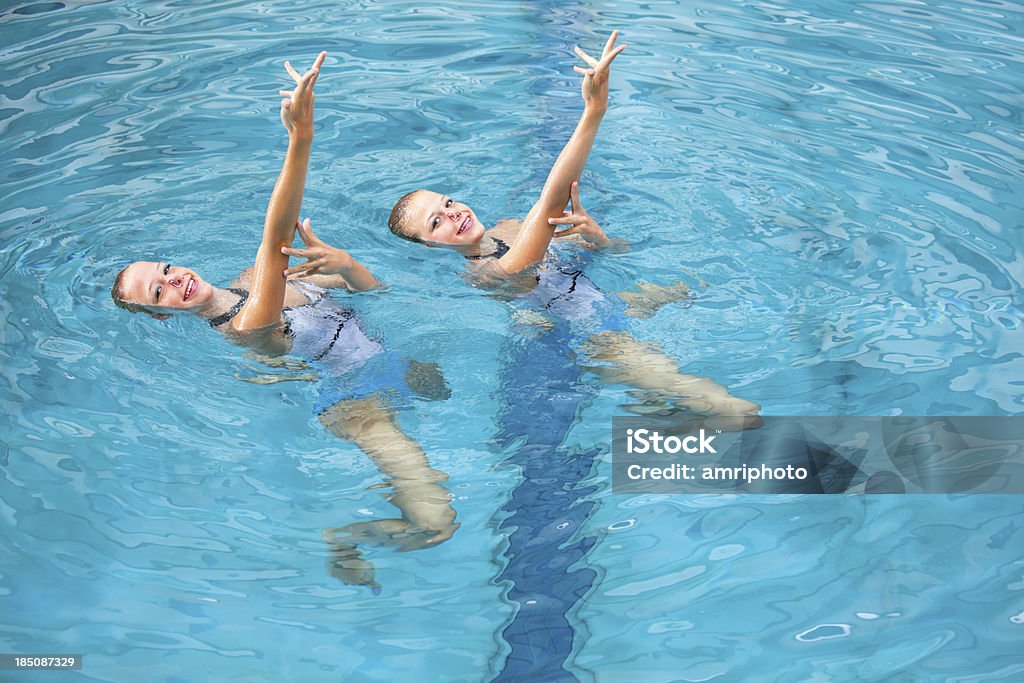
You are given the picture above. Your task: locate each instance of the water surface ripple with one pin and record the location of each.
(839, 184)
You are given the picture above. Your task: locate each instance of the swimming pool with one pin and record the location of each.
(838, 183)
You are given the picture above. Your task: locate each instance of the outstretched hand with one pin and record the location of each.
(579, 221)
(297, 105)
(595, 77)
(321, 258)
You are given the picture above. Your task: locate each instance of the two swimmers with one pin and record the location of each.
(275, 309)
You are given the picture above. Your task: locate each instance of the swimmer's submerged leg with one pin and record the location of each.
(427, 514)
(644, 365)
(649, 298)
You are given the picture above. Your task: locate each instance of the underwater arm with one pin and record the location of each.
(535, 235)
(266, 298)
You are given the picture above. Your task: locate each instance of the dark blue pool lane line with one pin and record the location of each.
(542, 394)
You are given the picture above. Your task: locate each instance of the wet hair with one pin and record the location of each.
(118, 294)
(400, 215)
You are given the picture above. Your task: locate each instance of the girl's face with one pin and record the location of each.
(438, 219)
(163, 288)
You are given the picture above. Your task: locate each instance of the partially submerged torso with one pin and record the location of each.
(555, 288)
(323, 330)
(353, 364)
(487, 271)
(312, 326)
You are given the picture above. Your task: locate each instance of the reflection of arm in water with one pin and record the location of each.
(535, 235)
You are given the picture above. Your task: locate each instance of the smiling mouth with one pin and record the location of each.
(466, 225)
(190, 289)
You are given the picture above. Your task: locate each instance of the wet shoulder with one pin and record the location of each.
(506, 229)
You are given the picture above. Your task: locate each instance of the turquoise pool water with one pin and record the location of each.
(840, 182)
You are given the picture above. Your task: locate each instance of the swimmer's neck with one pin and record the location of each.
(485, 247)
(220, 303)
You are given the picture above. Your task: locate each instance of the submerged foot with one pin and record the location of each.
(650, 403)
(724, 411)
(346, 563)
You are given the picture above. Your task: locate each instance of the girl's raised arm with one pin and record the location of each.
(266, 297)
(534, 237)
